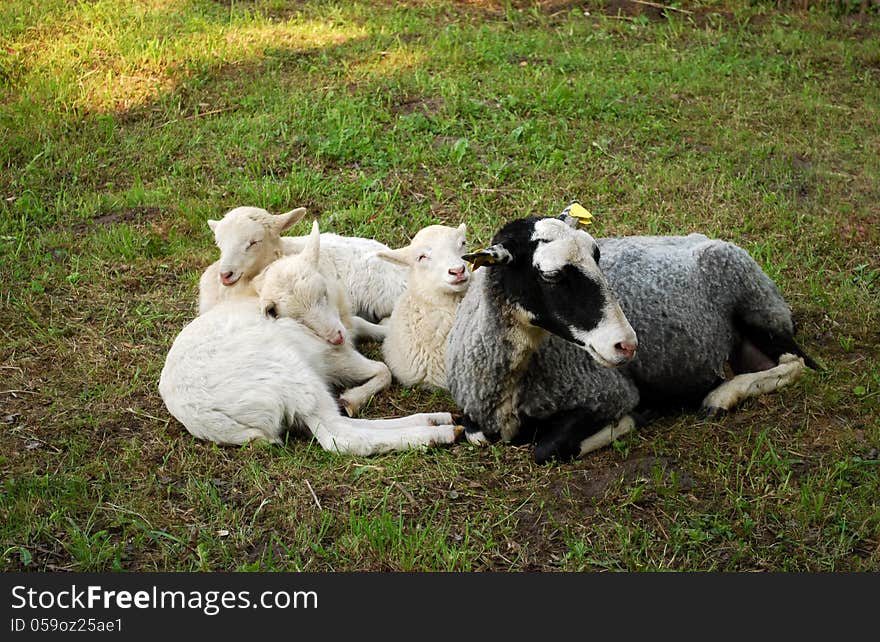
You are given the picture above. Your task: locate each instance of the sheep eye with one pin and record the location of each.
(422, 257)
(551, 277)
(251, 244)
(272, 311)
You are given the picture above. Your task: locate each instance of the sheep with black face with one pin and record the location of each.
(542, 282)
(698, 305)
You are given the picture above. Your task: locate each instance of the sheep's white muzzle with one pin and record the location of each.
(617, 361)
(613, 342)
(335, 337)
(457, 281)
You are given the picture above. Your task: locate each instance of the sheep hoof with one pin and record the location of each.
(349, 408)
(477, 438)
(712, 412)
(457, 432)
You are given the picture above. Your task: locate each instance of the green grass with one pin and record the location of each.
(125, 125)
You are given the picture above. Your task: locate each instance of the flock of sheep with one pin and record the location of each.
(562, 340)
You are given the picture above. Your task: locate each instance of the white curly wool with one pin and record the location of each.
(372, 285)
(415, 348)
(250, 238)
(246, 370)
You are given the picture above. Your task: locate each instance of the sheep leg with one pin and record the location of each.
(420, 419)
(344, 436)
(607, 435)
(357, 367)
(572, 434)
(363, 329)
(474, 434)
(742, 387)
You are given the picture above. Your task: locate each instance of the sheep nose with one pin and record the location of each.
(459, 271)
(225, 276)
(338, 340)
(627, 349)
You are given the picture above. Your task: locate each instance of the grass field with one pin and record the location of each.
(124, 125)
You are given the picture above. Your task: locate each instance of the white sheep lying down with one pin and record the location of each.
(373, 286)
(250, 238)
(438, 278)
(249, 369)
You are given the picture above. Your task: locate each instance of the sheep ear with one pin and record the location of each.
(213, 224)
(575, 215)
(312, 249)
(462, 228)
(494, 255)
(282, 222)
(401, 256)
(270, 309)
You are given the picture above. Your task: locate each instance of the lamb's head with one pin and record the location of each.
(548, 272)
(434, 259)
(293, 287)
(249, 239)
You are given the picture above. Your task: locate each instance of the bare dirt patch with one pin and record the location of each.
(422, 104)
(137, 215)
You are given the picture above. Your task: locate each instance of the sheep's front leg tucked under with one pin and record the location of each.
(571, 434)
(474, 434)
(363, 329)
(753, 384)
(357, 367)
(607, 435)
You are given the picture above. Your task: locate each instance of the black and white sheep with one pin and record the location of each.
(695, 304)
(543, 280)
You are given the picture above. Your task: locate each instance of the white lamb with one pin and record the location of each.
(373, 285)
(415, 348)
(250, 238)
(246, 369)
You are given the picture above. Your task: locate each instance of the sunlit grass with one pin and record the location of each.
(111, 55)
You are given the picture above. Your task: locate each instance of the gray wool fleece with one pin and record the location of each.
(679, 294)
(559, 376)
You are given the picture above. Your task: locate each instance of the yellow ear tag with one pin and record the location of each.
(478, 260)
(583, 216)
